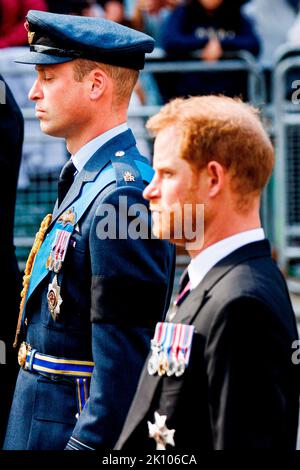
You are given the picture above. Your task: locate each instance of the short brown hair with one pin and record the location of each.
(225, 130)
(124, 79)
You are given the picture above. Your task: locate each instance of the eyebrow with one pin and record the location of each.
(163, 167)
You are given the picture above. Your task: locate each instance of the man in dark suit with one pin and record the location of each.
(11, 131)
(98, 284)
(221, 373)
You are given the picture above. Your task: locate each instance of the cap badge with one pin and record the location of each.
(30, 33)
(30, 36)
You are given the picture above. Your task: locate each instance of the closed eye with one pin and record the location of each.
(167, 174)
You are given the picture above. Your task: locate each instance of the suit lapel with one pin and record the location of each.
(196, 299)
(186, 314)
(191, 305)
(92, 168)
(140, 405)
(149, 383)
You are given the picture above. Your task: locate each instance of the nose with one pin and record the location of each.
(152, 191)
(36, 92)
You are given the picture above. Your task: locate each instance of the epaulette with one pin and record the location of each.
(131, 170)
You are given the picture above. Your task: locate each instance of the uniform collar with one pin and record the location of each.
(95, 164)
(204, 261)
(83, 155)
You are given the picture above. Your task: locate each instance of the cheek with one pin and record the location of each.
(171, 193)
(54, 98)
(63, 97)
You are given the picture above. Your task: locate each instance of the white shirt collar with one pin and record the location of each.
(204, 261)
(81, 157)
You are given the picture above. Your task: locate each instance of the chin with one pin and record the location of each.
(178, 242)
(161, 232)
(50, 130)
(156, 231)
(165, 233)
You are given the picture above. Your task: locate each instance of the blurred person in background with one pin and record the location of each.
(293, 35)
(109, 9)
(12, 18)
(11, 132)
(208, 28)
(273, 33)
(214, 26)
(113, 10)
(149, 16)
(74, 7)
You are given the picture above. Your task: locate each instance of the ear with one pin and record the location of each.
(98, 83)
(215, 178)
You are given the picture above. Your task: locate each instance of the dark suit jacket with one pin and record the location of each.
(240, 389)
(11, 134)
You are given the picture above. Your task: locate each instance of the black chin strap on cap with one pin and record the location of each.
(49, 50)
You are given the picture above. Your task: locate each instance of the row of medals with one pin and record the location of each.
(54, 263)
(162, 363)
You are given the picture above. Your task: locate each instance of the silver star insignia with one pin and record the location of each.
(160, 433)
(54, 298)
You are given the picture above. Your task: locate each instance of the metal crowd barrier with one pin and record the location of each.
(287, 168)
(158, 62)
(38, 196)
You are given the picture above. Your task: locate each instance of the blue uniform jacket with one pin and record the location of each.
(114, 291)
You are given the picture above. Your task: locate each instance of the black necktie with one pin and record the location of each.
(66, 178)
(184, 290)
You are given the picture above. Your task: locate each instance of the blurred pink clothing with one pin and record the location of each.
(12, 18)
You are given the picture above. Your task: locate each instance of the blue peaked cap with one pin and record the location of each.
(56, 38)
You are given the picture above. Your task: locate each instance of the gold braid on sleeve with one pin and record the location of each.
(28, 270)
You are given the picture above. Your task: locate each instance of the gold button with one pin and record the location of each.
(22, 354)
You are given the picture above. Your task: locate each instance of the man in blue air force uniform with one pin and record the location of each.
(94, 294)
